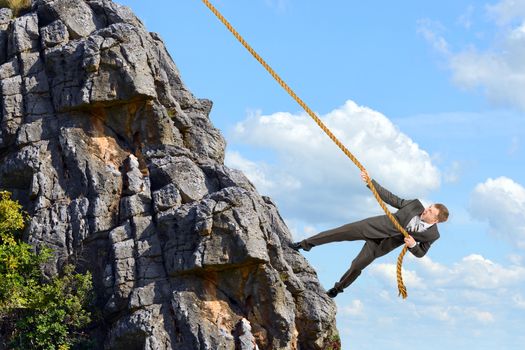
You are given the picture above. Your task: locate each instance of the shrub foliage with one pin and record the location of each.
(16, 5)
(35, 312)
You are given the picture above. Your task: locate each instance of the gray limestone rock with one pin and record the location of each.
(5, 17)
(108, 13)
(24, 35)
(167, 197)
(11, 86)
(75, 14)
(54, 34)
(121, 171)
(9, 69)
(245, 338)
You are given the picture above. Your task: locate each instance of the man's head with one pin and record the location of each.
(435, 213)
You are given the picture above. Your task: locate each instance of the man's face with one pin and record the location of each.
(430, 215)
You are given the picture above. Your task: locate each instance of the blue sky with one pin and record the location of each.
(430, 96)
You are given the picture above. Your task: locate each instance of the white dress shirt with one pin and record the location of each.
(417, 225)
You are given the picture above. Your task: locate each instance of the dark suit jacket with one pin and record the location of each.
(383, 232)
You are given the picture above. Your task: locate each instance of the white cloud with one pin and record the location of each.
(310, 231)
(519, 301)
(499, 70)
(432, 267)
(506, 11)
(431, 31)
(300, 231)
(516, 259)
(254, 171)
(473, 274)
(514, 145)
(260, 174)
(453, 314)
(452, 172)
(387, 321)
(385, 294)
(501, 202)
(438, 312)
(387, 272)
(356, 308)
(475, 271)
(466, 18)
(472, 290)
(499, 73)
(328, 184)
(480, 315)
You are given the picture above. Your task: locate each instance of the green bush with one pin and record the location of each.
(36, 313)
(334, 343)
(16, 5)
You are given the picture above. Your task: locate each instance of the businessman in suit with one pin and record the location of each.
(380, 234)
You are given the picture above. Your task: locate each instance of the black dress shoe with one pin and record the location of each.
(332, 293)
(296, 246)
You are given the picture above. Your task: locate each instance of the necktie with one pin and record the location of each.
(416, 225)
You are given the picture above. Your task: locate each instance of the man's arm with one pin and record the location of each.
(387, 196)
(418, 249)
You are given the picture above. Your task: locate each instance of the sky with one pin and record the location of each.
(430, 97)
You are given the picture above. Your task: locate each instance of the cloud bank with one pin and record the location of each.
(471, 289)
(501, 203)
(498, 70)
(312, 179)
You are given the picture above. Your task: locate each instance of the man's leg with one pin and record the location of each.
(348, 232)
(362, 260)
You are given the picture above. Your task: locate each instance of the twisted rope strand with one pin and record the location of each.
(400, 284)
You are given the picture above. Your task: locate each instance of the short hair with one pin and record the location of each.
(443, 212)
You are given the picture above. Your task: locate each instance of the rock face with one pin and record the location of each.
(122, 173)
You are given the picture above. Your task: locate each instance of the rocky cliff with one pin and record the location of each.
(122, 173)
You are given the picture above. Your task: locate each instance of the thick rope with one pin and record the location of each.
(400, 285)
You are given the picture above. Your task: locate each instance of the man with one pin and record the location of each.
(380, 234)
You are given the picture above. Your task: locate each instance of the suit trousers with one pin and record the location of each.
(349, 232)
